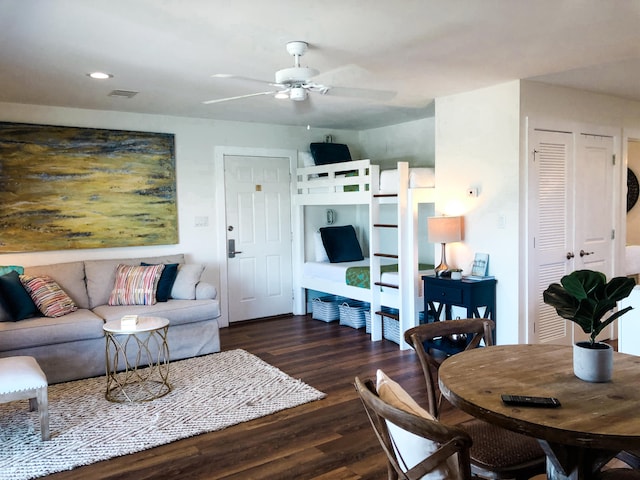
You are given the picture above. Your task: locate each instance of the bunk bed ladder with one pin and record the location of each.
(375, 256)
(404, 227)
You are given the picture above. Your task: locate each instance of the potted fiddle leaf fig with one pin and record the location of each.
(585, 297)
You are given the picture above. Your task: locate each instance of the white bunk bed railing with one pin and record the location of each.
(347, 183)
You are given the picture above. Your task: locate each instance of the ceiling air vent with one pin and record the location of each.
(123, 93)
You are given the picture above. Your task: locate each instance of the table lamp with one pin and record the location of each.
(444, 230)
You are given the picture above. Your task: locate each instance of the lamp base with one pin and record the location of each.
(440, 269)
(443, 267)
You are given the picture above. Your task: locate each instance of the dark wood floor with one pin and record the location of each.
(326, 439)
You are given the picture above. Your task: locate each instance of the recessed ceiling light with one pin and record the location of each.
(99, 75)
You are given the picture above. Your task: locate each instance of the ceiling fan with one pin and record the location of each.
(295, 82)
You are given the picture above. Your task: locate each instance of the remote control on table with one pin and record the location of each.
(529, 401)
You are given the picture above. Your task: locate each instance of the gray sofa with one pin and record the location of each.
(72, 346)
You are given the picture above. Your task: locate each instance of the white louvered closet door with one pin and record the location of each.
(571, 219)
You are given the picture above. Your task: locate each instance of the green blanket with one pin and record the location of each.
(361, 276)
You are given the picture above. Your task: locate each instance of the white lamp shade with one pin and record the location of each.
(444, 229)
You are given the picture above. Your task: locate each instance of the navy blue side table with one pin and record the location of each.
(469, 294)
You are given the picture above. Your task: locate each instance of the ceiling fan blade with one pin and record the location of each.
(219, 100)
(244, 79)
(364, 93)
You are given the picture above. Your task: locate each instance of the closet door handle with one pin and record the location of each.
(583, 253)
(570, 255)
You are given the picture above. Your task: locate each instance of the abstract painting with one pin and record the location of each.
(70, 188)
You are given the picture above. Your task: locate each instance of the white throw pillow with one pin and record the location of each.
(411, 449)
(184, 288)
(321, 252)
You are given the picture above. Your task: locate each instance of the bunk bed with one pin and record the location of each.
(360, 182)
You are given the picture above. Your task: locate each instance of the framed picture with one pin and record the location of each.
(73, 187)
(480, 265)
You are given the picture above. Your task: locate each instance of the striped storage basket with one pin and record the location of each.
(391, 326)
(367, 318)
(352, 313)
(326, 308)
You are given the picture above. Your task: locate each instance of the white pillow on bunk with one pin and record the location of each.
(321, 252)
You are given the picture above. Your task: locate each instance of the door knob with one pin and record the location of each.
(583, 253)
(570, 255)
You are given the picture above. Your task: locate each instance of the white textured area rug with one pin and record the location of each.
(209, 393)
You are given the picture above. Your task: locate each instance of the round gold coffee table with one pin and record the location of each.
(142, 374)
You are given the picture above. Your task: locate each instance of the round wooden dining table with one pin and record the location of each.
(594, 422)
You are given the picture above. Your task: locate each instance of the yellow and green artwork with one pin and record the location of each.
(69, 187)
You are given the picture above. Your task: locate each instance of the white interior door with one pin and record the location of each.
(594, 208)
(258, 224)
(572, 220)
(552, 229)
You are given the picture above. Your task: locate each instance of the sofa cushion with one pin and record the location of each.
(167, 279)
(70, 277)
(50, 299)
(184, 288)
(15, 300)
(101, 275)
(33, 332)
(135, 285)
(177, 311)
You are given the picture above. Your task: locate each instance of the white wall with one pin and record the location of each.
(195, 141)
(477, 145)
(412, 142)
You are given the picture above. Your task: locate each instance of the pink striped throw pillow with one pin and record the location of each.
(50, 299)
(135, 285)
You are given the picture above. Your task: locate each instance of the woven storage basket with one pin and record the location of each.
(326, 308)
(391, 327)
(385, 321)
(352, 313)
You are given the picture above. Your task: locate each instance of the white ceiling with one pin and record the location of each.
(167, 51)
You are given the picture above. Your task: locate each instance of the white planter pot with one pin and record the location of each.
(593, 364)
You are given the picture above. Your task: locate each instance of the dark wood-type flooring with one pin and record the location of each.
(323, 440)
(326, 439)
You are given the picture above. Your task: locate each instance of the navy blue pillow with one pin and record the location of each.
(341, 244)
(167, 279)
(15, 299)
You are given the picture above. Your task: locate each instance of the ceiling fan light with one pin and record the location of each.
(281, 95)
(298, 94)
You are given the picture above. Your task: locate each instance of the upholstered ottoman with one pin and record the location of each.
(21, 378)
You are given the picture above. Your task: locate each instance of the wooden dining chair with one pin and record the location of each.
(417, 447)
(496, 453)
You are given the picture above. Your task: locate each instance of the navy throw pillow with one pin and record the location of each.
(15, 299)
(341, 244)
(167, 279)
